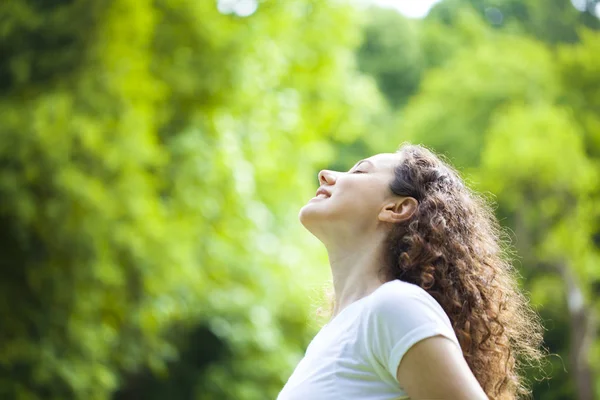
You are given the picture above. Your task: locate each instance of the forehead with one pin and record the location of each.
(385, 160)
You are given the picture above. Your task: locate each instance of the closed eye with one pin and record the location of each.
(359, 172)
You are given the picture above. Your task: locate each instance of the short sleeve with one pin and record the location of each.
(400, 315)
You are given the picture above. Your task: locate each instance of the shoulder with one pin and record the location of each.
(397, 287)
(399, 315)
(398, 302)
(398, 294)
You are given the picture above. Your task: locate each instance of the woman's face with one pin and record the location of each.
(353, 200)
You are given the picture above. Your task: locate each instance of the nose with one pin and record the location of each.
(326, 177)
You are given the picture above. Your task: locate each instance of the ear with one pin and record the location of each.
(399, 211)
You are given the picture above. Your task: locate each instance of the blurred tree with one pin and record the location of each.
(392, 53)
(520, 133)
(152, 155)
(500, 71)
(531, 158)
(551, 21)
(505, 104)
(398, 51)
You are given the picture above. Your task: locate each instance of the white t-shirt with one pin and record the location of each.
(356, 355)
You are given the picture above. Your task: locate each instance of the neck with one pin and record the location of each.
(355, 270)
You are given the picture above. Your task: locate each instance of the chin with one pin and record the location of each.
(310, 216)
(304, 215)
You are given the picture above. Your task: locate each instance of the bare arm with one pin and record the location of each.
(435, 368)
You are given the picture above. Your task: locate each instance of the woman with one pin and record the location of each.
(426, 304)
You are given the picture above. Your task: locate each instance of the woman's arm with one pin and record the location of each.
(435, 368)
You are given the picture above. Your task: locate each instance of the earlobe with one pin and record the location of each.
(399, 211)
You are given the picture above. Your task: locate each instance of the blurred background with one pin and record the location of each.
(154, 155)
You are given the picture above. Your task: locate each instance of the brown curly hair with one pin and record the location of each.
(454, 248)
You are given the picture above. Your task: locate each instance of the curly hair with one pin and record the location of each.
(454, 248)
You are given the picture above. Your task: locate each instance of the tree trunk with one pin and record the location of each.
(582, 332)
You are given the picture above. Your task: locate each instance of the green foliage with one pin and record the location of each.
(154, 158)
(155, 154)
(391, 49)
(553, 21)
(518, 114)
(491, 75)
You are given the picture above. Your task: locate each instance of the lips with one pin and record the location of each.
(322, 193)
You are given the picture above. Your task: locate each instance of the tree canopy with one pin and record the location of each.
(155, 155)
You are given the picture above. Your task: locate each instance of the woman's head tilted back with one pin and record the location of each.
(435, 232)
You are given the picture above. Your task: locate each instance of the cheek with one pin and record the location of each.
(364, 197)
